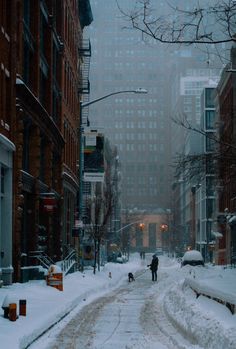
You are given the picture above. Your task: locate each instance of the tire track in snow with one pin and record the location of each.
(135, 308)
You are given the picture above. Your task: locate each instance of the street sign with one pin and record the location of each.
(49, 203)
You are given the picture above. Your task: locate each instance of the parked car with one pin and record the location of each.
(122, 259)
(192, 257)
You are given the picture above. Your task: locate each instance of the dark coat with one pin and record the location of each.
(154, 264)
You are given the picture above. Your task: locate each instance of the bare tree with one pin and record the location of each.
(207, 22)
(196, 165)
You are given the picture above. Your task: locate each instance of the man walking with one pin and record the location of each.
(154, 266)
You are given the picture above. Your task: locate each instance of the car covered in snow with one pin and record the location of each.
(192, 257)
(122, 259)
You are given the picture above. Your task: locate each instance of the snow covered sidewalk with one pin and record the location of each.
(46, 305)
(207, 322)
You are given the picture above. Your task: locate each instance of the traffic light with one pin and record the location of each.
(141, 226)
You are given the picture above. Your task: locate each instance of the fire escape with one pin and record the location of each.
(84, 84)
(84, 90)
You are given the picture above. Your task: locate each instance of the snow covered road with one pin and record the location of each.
(130, 317)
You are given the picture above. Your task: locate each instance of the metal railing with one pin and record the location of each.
(45, 261)
(42, 257)
(69, 262)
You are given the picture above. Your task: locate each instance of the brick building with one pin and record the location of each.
(227, 187)
(7, 125)
(145, 231)
(39, 120)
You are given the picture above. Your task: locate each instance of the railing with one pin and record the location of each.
(69, 262)
(42, 257)
(66, 264)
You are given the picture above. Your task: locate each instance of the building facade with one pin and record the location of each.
(137, 124)
(205, 189)
(7, 133)
(226, 119)
(40, 75)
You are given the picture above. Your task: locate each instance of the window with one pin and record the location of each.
(43, 88)
(209, 97)
(5, 17)
(43, 27)
(2, 180)
(209, 207)
(210, 168)
(210, 143)
(209, 186)
(55, 164)
(26, 150)
(27, 65)
(152, 234)
(42, 158)
(210, 119)
(27, 11)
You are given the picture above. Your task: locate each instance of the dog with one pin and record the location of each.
(131, 277)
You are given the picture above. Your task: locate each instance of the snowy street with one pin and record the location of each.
(148, 315)
(96, 311)
(130, 317)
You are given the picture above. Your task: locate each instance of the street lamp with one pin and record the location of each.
(83, 105)
(141, 226)
(86, 104)
(138, 90)
(81, 129)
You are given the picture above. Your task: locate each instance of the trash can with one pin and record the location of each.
(12, 312)
(22, 307)
(9, 299)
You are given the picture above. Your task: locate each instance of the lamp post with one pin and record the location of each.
(81, 130)
(138, 90)
(81, 147)
(126, 226)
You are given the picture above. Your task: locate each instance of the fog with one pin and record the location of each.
(141, 125)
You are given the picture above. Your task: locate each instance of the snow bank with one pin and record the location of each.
(46, 305)
(207, 322)
(214, 289)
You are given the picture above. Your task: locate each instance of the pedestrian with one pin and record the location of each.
(154, 266)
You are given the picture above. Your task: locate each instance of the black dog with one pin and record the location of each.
(131, 277)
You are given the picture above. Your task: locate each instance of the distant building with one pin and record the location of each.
(226, 187)
(137, 124)
(144, 231)
(205, 194)
(189, 143)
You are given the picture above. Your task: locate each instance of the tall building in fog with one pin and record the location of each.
(137, 124)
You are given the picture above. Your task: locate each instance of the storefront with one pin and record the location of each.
(6, 158)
